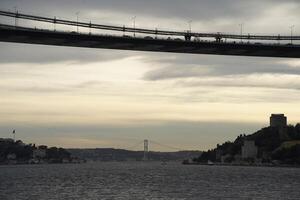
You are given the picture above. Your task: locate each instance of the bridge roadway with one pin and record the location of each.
(187, 35)
(72, 39)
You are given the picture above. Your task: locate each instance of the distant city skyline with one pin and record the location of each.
(76, 97)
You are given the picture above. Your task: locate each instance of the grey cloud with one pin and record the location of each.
(247, 95)
(56, 88)
(201, 9)
(36, 89)
(24, 53)
(89, 84)
(186, 66)
(272, 82)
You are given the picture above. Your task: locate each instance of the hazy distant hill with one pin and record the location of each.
(110, 154)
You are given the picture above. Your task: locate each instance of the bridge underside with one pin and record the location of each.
(33, 36)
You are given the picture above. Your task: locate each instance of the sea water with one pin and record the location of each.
(146, 180)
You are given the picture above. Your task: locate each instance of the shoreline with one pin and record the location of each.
(245, 165)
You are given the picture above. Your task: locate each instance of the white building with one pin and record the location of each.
(249, 149)
(11, 156)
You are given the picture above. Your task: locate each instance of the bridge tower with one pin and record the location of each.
(146, 149)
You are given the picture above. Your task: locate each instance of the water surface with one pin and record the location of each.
(139, 180)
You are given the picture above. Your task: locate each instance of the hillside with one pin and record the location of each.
(110, 154)
(17, 152)
(274, 144)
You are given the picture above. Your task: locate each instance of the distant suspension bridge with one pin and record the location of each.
(146, 144)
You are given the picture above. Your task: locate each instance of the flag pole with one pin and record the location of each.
(14, 133)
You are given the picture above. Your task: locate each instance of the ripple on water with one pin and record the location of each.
(138, 180)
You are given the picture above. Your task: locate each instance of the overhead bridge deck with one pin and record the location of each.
(187, 34)
(72, 39)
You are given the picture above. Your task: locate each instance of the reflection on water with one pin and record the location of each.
(147, 181)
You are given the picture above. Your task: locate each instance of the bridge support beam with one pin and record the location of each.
(188, 37)
(46, 37)
(218, 39)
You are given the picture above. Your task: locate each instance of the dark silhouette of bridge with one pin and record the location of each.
(191, 42)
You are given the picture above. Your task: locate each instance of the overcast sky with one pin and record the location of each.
(77, 97)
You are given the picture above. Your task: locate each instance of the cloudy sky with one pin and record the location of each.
(77, 97)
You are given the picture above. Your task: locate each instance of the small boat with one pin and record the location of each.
(210, 163)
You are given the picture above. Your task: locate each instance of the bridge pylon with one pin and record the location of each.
(146, 150)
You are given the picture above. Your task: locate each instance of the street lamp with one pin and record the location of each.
(242, 27)
(190, 25)
(77, 14)
(134, 18)
(54, 23)
(16, 18)
(90, 27)
(292, 32)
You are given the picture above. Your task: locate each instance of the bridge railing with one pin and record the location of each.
(157, 32)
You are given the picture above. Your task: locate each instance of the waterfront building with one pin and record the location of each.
(219, 154)
(226, 158)
(249, 149)
(237, 158)
(278, 120)
(39, 153)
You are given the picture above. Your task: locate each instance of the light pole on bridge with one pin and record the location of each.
(190, 25)
(77, 14)
(241, 31)
(54, 23)
(16, 18)
(134, 18)
(292, 32)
